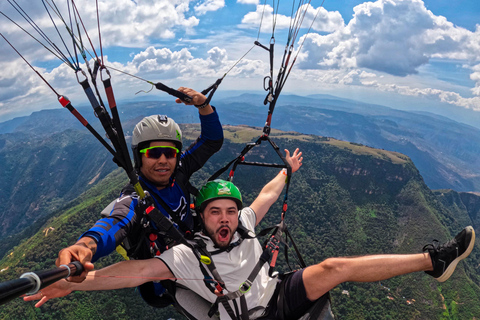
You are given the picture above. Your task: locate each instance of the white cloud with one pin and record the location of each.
(252, 19)
(209, 5)
(384, 40)
(475, 76)
(169, 64)
(395, 37)
(325, 21)
(248, 1)
(126, 23)
(391, 36)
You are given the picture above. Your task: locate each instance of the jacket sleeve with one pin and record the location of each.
(206, 145)
(110, 231)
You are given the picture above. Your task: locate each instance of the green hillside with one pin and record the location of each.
(347, 199)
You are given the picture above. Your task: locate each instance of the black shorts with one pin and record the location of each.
(289, 300)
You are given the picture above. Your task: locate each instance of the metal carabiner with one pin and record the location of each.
(269, 80)
(103, 68)
(83, 73)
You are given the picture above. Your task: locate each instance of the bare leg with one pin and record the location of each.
(322, 277)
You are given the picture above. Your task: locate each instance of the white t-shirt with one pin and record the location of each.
(234, 267)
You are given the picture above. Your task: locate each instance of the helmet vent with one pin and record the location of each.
(162, 118)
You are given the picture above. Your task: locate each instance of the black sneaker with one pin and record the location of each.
(445, 257)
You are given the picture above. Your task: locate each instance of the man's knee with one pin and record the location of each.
(332, 266)
(320, 278)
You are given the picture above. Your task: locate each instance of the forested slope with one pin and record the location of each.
(347, 199)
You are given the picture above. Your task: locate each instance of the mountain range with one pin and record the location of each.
(445, 151)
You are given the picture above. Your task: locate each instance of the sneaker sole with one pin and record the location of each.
(454, 263)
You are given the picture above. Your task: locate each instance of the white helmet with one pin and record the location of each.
(155, 128)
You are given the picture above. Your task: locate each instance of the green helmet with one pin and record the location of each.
(218, 189)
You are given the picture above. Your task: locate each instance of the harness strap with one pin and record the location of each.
(215, 285)
(212, 90)
(106, 122)
(297, 252)
(165, 225)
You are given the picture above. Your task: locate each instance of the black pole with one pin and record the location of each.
(32, 282)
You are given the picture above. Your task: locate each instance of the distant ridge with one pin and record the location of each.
(445, 151)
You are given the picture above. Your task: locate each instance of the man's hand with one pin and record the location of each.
(198, 99)
(295, 160)
(82, 251)
(58, 289)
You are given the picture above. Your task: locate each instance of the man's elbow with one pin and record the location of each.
(218, 144)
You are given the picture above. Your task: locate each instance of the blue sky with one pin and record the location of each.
(406, 54)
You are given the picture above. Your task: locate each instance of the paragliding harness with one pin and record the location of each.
(147, 240)
(269, 254)
(145, 230)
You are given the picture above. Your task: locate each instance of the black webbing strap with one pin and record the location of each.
(165, 225)
(297, 252)
(106, 122)
(212, 90)
(240, 160)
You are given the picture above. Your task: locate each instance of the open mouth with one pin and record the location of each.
(224, 233)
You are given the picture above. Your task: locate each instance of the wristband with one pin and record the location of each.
(203, 105)
(284, 171)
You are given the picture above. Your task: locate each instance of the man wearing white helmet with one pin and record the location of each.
(164, 171)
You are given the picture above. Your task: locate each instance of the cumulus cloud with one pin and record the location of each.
(169, 64)
(21, 89)
(362, 78)
(391, 36)
(123, 23)
(324, 21)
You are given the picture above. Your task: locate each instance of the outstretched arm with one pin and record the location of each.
(125, 274)
(271, 191)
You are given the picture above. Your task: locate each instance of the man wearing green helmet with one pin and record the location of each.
(219, 203)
